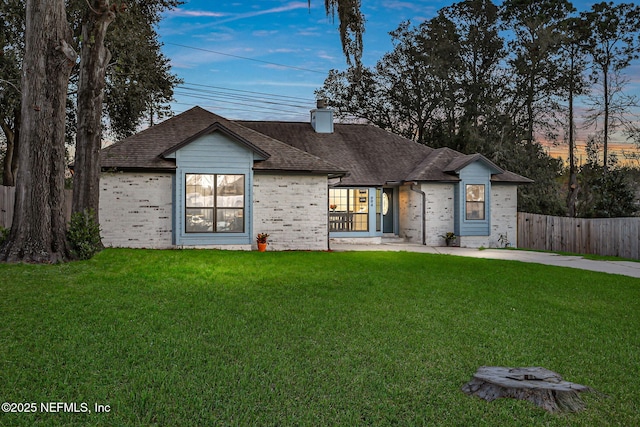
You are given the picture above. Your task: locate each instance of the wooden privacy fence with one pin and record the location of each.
(7, 201)
(602, 236)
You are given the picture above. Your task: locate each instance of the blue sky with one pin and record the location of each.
(208, 42)
(263, 60)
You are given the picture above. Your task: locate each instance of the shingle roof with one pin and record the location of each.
(372, 155)
(431, 168)
(144, 150)
(369, 156)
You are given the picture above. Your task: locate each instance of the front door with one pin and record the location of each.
(387, 210)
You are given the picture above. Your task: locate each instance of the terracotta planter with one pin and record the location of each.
(262, 247)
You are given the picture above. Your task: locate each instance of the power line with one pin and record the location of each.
(248, 59)
(265, 108)
(238, 97)
(256, 102)
(249, 91)
(247, 98)
(225, 108)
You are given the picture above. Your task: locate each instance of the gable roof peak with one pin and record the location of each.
(460, 162)
(217, 127)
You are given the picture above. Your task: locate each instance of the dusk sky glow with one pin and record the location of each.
(263, 60)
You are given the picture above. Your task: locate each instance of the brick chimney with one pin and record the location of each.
(322, 118)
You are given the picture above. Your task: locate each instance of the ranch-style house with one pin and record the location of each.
(200, 180)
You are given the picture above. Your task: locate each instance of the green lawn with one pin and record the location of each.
(176, 338)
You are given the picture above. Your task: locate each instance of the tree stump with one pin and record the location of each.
(541, 386)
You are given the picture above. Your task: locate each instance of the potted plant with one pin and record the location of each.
(449, 238)
(262, 241)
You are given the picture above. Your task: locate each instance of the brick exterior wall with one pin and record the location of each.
(440, 212)
(504, 219)
(440, 215)
(292, 209)
(135, 210)
(409, 215)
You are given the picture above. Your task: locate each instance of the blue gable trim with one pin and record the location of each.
(474, 173)
(216, 128)
(212, 153)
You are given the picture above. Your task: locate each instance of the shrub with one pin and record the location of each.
(84, 235)
(4, 234)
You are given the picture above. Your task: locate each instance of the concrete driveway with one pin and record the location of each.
(625, 268)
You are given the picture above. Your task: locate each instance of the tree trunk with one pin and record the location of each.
(38, 233)
(605, 139)
(10, 164)
(541, 386)
(572, 195)
(530, 118)
(8, 178)
(93, 65)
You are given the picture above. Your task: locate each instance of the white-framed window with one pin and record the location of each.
(214, 203)
(475, 201)
(348, 209)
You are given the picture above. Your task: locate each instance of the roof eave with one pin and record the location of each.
(524, 181)
(474, 158)
(137, 169)
(330, 173)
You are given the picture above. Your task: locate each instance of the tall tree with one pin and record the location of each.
(574, 48)
(416, 74)
(439, 44)
(38, 230)
(443, 85)
(138, 80)
(537, 29)
(357, 94)
(139, 83)
(481, 77)
(615, 42)
(94, 60)
(97, 17)
(605, 195)
(11, 51)
(408, 92)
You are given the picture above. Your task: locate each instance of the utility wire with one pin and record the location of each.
(224, 95)
(209, 98)
(249, 91)
(236, 97)
(256, 102)
(225, 108)
(249, 59)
